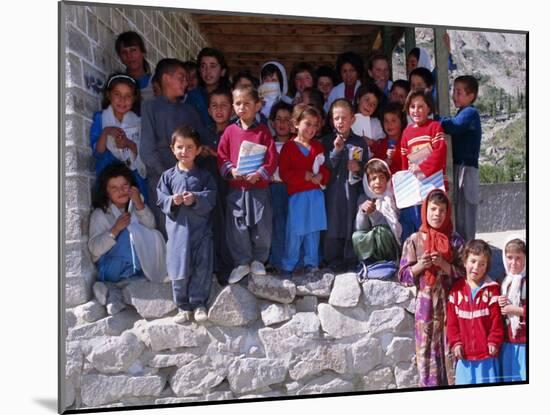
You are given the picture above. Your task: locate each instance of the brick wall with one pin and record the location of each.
(90, 33)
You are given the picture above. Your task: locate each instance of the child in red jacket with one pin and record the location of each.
(302, 168)
(474, 325)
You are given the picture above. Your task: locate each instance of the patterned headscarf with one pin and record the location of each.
(437, 240)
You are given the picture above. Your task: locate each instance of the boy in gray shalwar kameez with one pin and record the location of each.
(187, 194)
(160, 117)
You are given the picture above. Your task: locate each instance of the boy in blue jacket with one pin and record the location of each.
(465, 131)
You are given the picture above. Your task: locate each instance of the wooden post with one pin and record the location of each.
(443, 102)
(387, 42)
(410, 40)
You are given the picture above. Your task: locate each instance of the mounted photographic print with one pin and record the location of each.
(230, 230)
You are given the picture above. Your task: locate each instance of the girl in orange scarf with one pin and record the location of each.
(431, 262)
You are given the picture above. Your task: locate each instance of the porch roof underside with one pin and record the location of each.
(249, 41)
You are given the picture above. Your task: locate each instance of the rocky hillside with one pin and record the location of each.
(498, 61)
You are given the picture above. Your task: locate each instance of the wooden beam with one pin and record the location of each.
(410, 40)
(289, 49)
(288, 30)
(250, 39)
(217, 18)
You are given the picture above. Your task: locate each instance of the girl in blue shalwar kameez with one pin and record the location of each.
(186, 195)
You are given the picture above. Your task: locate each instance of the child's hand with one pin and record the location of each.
(353, 166)
(253, 177)
(368, 207)
(339, 142)
(439, 261)
(236, 175)
(177, 199)
(512, 310)
(136, 197)
(121, 223)
(316, 179)
(389, 154)
(188, 198)
(458, 351)
(503, 301)
(493, 350)
(414, 169)
(309, 176)
(426, 260)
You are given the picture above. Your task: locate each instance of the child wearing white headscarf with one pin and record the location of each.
(513, 305)
(377, 220)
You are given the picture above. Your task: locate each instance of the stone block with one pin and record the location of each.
(74, 361)
(74, 130)
(104, 14)
(317, 285)
(94, 80)
(109, 326)
(401, 349)
(346, 291)
(307, 304)
(113, 354)
(250, 374)
(366, 355)
(80, 18)
(385, 293)
(169, 359)
(79, 160)
(73, 70)
(219, 396)
(277, 313)
(394, 320)
(92, 26)
(77, 193)
(77, 224)
(234, 306)
(406, 375)
(229, 339)
(150, 300)
(197, 378)
(90, 312)
(380, 379)
(326, 356)
(77, 291)
(342, 322)
(78, 43)
(295, 336)
(78, 263)
(99, 390)
(272, 288)
(79, 101)
(328, 383)
(165, 334)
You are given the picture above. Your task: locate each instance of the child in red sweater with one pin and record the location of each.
(423, 150)
(249, 213)
(302, 168)
(389, 148)
(474, 325)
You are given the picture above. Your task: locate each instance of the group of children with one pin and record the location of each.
(234, 191)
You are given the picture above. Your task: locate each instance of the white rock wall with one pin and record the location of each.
(250, 347)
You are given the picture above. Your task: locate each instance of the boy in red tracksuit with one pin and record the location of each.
(474, 324)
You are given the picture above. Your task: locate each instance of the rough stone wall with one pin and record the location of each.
(265, 337)
(509, 200)
(90, 33)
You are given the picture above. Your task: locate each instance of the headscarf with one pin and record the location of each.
(437, 240)
(511, 285)
(385, 202)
